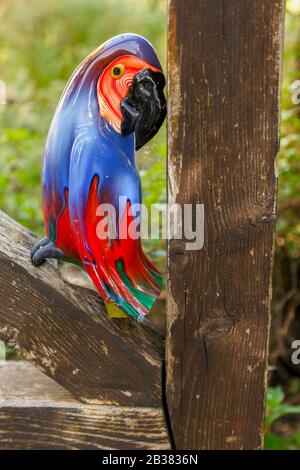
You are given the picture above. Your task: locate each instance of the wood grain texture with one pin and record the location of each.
(224, 93)
(37, 413)
(64, 330)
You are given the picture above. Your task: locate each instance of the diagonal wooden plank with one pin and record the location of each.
(64, 331)
(224, 101)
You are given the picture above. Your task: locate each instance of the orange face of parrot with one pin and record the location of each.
(131, 99)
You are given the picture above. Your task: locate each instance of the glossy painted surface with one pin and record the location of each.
(89, 162)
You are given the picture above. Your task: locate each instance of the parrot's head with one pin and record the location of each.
(130, 90)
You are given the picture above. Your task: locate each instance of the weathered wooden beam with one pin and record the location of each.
(64, 330)
(37, 413)
(224, 93)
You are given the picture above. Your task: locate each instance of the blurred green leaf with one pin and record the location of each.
(275, 406)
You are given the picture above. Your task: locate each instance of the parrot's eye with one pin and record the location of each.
(118, 71)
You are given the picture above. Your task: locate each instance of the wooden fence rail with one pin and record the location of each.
(37, 413)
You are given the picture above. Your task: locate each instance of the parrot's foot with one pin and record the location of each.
(44, 249)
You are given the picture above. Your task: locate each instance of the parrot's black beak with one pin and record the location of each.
(145, 108)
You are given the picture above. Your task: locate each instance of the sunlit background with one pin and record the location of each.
(40, 45)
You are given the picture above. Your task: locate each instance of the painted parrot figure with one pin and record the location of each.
(112, 105)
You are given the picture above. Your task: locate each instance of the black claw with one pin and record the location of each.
(44, 249)
(44, 241)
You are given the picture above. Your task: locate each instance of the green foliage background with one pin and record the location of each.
(288, 221)
(41, 43)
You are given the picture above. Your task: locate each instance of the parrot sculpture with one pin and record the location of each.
(112, 105)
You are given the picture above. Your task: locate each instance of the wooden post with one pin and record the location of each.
(224, 93)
